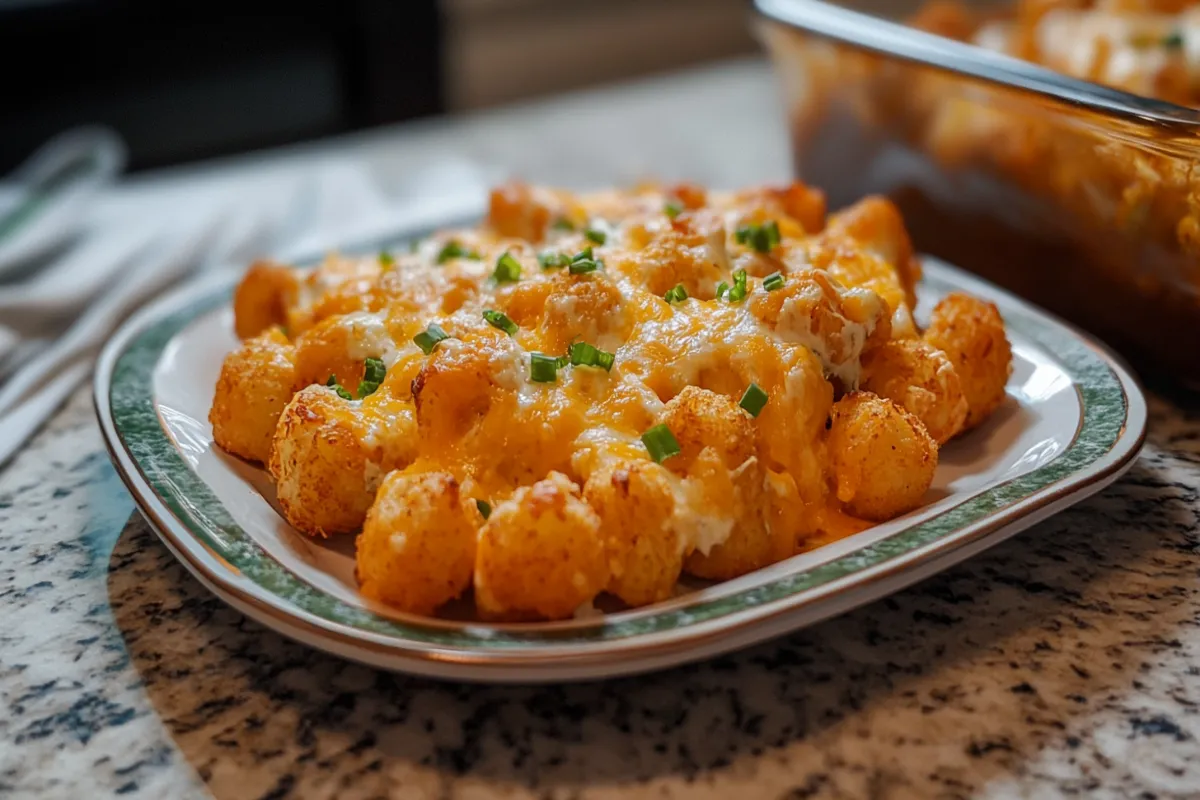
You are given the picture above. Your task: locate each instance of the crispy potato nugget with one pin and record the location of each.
(813, 310)
(262, 298)
(875, 223)
(635, 504)
(540, 554)
(257, 380)
(918, 376)
(883, 458)
(739, 497)
(325, 469)
(971, 332)
(417, 547)
(699, 418)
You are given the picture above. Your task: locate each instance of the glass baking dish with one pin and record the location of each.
(1079, 197)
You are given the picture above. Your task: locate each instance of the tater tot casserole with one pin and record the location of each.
(600, 393)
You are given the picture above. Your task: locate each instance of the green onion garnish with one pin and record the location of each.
(763, 238)
(596, 235)
(1173, 40)
(549, 260)
(386, 259)
(660, 443)
(582, 354)
(373, 375)
(429, 338)
(773, 281)
(453, 249)
(498, 319)
(738, 291)
(753, 399)
(722, 289)
(563, 224)
(508, 269)
(332, 383)
(583, 255)
(676, 295)
(485, 508)
(583, 266)
(543, 368)
(673, 208)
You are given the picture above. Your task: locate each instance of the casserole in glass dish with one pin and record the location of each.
(1079, 196)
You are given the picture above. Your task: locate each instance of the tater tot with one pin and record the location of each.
(694, 255)
(337, 346)
(699, 418)
(455, 388)
(876, 224)
(971, 333)
(635, 504)
(257, 380)
(262, 298)
(324, 460)
(518, 211)
(540, 555)
(417, 547)
(883, 458)
(738, 495)
(918, 376)
(814, 310)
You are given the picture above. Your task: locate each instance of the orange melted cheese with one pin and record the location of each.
(479, 416)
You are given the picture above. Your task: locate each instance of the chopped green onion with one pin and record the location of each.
(722, 289)
(550, 260)
(1173, 40)
(583, 354)
(753, 399)
(596, 235)
(677, 294)
(583, 255)
(739, 289)
(452, 250)
(373, 374)
(660, 443)
(563, 224)
(543, 368)
(673, 208)
(332, 383)
(508, 269)
(374, 370)
(773, 281)
(583, 266)
(386, 259)
(485, 508)
(763, 238)
(429, 338)
(498, 319)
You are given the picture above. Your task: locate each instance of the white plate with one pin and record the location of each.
(1073, 422)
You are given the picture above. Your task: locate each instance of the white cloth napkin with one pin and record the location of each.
(286, 211)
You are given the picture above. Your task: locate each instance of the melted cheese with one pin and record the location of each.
(473, 403)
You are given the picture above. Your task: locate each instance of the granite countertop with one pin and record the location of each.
(1064, 661)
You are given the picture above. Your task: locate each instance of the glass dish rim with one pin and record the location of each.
(1137, 116)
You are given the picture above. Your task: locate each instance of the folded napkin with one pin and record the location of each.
(288, 211)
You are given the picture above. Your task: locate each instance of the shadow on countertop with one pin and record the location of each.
(937, 690)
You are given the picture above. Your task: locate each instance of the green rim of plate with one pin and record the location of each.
(135, 419)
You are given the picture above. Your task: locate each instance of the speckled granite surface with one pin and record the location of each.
(1063, 662)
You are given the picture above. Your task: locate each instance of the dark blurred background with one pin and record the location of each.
(183, 81)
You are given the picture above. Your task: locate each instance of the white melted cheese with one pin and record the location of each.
(696, 526)
(369, 337)
(372, 476)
